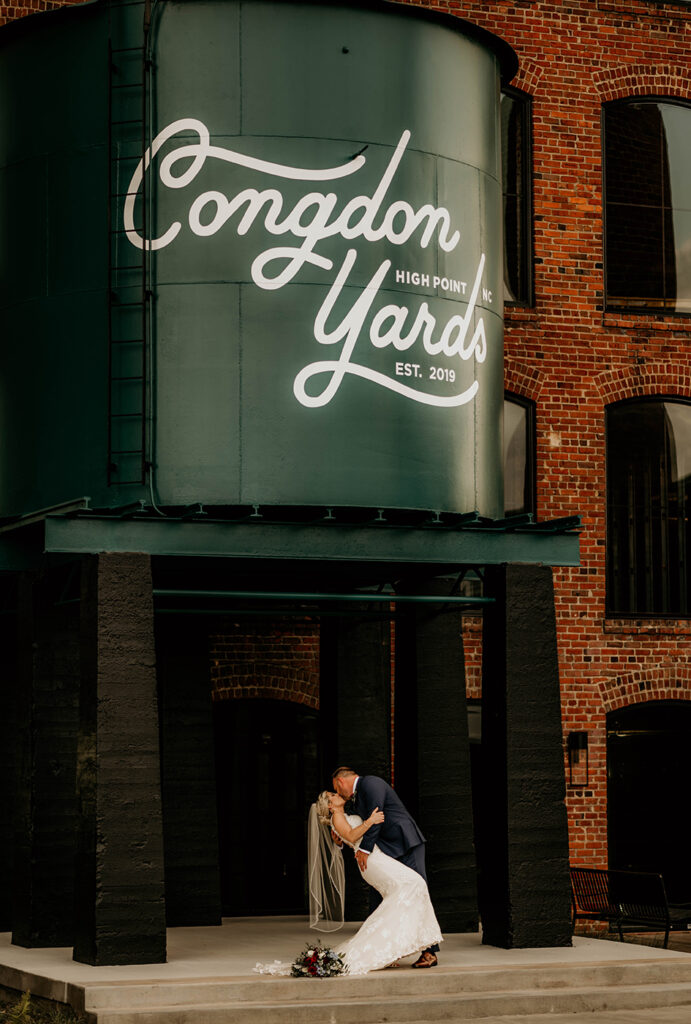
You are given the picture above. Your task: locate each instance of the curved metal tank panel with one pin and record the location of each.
(267, 391)
(53, 259)
(326, 263)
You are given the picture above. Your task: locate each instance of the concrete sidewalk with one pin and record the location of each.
(656, 1015)
(209, 979)
(233, 949)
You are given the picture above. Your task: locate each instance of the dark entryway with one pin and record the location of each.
(266, 778)
(648, 791)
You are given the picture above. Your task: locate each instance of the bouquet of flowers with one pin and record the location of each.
(317, 961)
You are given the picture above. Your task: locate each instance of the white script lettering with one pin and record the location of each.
(349, 330)
(314, 217)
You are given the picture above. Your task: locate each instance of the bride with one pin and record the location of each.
(403, 923)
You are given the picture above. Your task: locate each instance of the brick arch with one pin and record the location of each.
(265, 682)
(528, 75)
(622, 80)
(12, 9)
(646, 379)
(274, 660)
(522, 380)
(669, 682)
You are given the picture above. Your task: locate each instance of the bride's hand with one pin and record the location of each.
(376, 817)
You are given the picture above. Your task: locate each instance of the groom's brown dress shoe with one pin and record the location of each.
(426, 960)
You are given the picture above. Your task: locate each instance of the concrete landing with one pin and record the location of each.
(208, 979)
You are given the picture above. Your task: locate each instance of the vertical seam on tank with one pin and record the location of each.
(241, 7)
(240, 75)
(239, 393)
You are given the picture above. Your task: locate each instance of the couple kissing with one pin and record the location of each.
(390, 852)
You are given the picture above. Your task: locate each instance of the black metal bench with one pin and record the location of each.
(631, 900)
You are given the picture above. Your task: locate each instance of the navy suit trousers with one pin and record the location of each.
(415, 858)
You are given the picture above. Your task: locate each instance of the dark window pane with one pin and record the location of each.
(647, 199)
(648, 501)
(513, 254)
(515, 128)
(633, 154)
(637, 232)
(512, 144)
(519, 456)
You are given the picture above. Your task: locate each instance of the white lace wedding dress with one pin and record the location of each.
(403, 923)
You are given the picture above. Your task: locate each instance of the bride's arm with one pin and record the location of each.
(351, 835)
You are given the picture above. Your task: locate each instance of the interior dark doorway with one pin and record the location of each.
(648, 791)
(267, 775)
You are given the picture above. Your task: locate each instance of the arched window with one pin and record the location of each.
(516, 151)
(647, 155)
(648, 506)
(519, 455)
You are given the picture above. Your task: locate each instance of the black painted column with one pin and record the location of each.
(432, 754)
(355, 712)
(46, 720)
(355, 692)
(8, 735)
(525, 895)
(188, 782)
(120, 910)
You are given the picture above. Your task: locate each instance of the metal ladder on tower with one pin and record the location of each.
(128, 266)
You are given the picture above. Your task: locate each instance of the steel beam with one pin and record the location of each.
(327, 542)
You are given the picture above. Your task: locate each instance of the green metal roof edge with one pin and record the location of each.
(325, 541)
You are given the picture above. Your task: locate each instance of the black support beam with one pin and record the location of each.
(432, 755)
(45, 724)
(120, 910)
(190, 825)
(525, 893)
(355, 712)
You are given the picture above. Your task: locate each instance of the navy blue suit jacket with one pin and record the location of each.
(398, 833)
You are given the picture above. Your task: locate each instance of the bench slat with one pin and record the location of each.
(631, 899)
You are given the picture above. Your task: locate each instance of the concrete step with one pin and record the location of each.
(383, 985)
(654, 1015)
(336, 1008)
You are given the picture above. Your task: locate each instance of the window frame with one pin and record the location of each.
(531, 450)
(628, 310)
(612, 613)
(525, 102)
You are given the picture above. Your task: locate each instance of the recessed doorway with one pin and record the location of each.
(649, 790)
(267, 776)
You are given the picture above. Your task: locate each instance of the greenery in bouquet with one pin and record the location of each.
(27, 1010)
(317, 961)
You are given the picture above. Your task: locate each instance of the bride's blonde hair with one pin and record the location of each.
(322, 805)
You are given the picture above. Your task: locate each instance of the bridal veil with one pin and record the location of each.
(326, 876)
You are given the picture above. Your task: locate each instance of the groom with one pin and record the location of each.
(398, 835)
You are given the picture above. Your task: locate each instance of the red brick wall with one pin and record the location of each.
(11, 9)
(472, 652)
(569, 356)
(572, 358)
(278, 660)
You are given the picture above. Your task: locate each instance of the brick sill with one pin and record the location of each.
(651, 627)
(521, 315)
(648, 8)
(647, 322)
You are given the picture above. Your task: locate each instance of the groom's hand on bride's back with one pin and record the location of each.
(336, 838)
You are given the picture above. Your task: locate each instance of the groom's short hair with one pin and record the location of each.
(341, 772)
